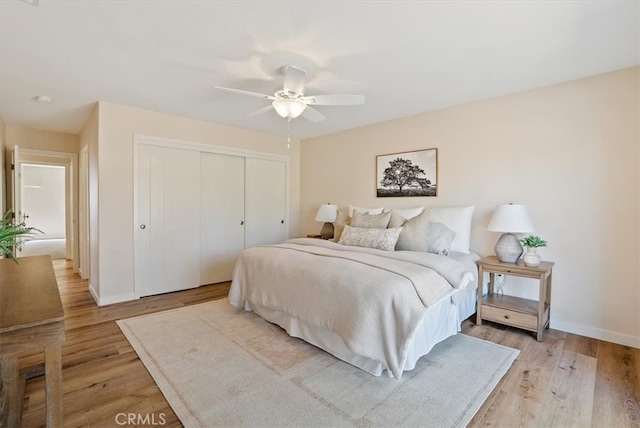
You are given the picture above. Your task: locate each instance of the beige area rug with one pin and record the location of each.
(221, 367)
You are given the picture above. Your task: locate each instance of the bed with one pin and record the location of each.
(378, 310)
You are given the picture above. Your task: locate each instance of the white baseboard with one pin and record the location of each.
(110, 300)
(94, 295)
(596, 333)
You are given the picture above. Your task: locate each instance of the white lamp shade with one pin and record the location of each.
(327, 213)
(511, 218)
(289, 108)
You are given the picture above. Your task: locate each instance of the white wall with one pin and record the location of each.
(88, 138)
(117, 126)
(569, 152)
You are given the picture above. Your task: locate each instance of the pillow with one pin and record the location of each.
(458, 219)
(338, 225)
(364, 210)
(408, 213)
(415, 231)
(377, 221)
(382, 239)
(440, 238)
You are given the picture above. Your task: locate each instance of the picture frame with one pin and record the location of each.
(407, 174)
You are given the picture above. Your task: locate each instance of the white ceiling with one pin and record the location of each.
(405, 57)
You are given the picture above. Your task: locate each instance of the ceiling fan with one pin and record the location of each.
(291, 102)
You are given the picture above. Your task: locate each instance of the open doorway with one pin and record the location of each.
(43, 206)
(35, 176)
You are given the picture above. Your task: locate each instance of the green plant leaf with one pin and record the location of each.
(533, 241)
(13, 235)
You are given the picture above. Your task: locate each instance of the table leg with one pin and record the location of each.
(479, 296)
(53, 378)
(542, 298)
(10, 400)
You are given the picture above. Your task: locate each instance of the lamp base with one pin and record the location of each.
(508, 248)
(327, 231)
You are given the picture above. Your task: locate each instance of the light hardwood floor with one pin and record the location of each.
(564, 381)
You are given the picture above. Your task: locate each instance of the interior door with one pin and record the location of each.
(265, 202)
(167, 242)
(221, 215)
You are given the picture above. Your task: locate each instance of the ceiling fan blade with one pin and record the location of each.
(260, 111)
(334, 100)
(294, 79)
(313, 115)
(241, 92)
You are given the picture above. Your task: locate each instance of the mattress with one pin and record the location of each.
(261, 282)
(440, 321)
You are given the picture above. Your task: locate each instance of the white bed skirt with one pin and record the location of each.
(441, 320)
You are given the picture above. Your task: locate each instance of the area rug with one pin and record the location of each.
(218, 366)
(56, 248)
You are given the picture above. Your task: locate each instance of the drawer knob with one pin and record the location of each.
(506, 317)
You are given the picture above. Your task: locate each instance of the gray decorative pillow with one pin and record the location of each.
(382, 239)
(415, 232)
(440, 238)
(396, 220)
(338, 225)
(375, 221)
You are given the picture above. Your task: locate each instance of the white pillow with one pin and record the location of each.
(440, 238)
(382, 239)
(457, 219)
(374, 211)
(408, 213)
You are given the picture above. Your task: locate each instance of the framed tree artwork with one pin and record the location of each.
(407, 174)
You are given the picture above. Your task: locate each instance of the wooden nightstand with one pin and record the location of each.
(527, 314)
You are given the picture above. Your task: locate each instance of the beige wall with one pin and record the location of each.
(117, 126)
(3, 169)
(569, 152)
(28, 138)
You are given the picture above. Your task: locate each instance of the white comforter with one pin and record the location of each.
(372, 299)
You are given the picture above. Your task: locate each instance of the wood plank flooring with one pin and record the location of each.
(564, 381)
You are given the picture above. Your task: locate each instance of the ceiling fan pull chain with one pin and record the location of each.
(288, 133)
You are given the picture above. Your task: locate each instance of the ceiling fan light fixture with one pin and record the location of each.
(289, 108)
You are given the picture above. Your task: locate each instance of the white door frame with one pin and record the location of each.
(70, 163)
(84, 248)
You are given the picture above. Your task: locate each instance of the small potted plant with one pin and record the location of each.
(532, 242)
(13, 235)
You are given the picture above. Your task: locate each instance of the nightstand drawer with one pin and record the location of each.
(513, 318)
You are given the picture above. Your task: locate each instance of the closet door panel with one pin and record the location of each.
(167, 234)
(222, 215)
(265, 202)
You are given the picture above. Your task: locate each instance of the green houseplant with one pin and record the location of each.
(532, 242)
(13, 235)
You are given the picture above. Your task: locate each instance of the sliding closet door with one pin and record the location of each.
(222, 215)
(265, 202)
(167, 241)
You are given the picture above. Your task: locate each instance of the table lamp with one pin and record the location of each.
(510, 219)
(327, 213)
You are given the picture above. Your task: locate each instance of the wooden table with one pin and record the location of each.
(527, 314)
(31, 320)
